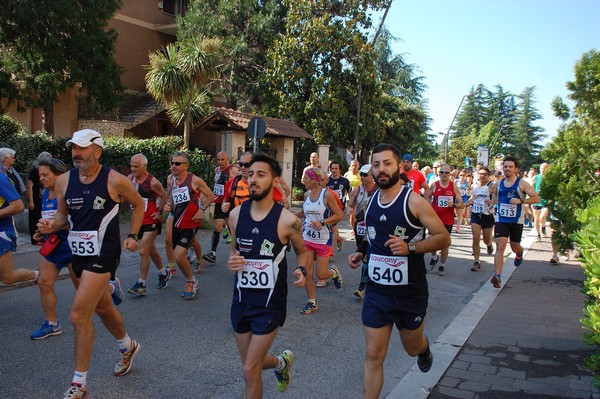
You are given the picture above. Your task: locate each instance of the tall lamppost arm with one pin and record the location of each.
(450, 127)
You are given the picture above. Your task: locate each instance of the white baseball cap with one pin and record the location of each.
(85, 138)
(365, 168)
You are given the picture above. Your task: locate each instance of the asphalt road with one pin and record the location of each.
(188, 348)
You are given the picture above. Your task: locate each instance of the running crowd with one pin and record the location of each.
(398, 213)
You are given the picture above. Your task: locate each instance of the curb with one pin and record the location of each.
(453, 338)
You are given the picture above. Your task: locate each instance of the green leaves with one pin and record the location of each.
(178, 75)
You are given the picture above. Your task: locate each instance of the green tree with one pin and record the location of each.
(247, 28)
(313, 69)
(524, 136)
(574, 155)
(49, 47)
(178, 76)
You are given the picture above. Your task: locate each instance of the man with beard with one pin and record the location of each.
(509, 194)
(258, 257)
(416, 179)
(397, 291)
(88, 199)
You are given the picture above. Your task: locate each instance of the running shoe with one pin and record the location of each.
(162, 280)
(172, 269)
(495, 280)
(76, 391)
(210, 257)
(425, 359)
(434, 260)
(310, 308)
(47, 330)
(490, 249)
(539, 237)
(476, 266)
(191, 289)
(340, 244)
(321, 283)
(284, 377)
(518, 259)
(554, 260)
(126, 359)
(199, 268)
(117, 295)
(191, 255)
(226, 234)
(139, 289)
(337, 278)
(441, 271)
(359, 293)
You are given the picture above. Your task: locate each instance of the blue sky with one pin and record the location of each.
(459, 44)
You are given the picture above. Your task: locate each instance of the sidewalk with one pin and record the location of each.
(529, 343)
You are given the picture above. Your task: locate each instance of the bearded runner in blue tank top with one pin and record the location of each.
(88, 199)
(510, 196)
(261, 230)
(396, 292)
(188, 212)
(10, 205)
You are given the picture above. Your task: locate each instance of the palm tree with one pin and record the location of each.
(178, 76)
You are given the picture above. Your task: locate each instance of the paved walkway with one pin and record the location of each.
(529, 343)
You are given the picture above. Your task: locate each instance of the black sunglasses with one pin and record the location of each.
(364, 174)
(244, 164)
(442, 172)
(177, 163)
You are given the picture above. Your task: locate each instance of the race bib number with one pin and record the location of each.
(339, 193)
(388, 270)
(361, 228)
(257, 273)
(313, 233)
(219, 189)
(477, 208)
(48, 214)
(84, 243)
(181, 195)
(463, 192)
(508, 210)
(444, 201)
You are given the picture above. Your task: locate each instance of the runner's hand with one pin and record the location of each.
(130, 244)
(300, 279)
(236, 262)
(355, 260)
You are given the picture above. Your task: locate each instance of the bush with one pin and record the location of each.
(116, 154)
(588, 239)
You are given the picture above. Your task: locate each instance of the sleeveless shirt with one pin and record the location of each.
(440, 202)
(149, 196)
(185, 203)
(315, 211)
(397, 219)
(507, 212)
(263, 281)
(92, 213)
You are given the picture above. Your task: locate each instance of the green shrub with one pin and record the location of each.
(588, 239)
(116, 154)
(297, 194)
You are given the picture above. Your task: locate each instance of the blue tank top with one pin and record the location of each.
(49, 208)
(507, 212)
(397, 219)
(263, 282)
(8, 194)
(91, 209)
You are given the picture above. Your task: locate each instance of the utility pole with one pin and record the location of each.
(359, 93)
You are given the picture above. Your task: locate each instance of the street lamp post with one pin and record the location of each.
(496, 139)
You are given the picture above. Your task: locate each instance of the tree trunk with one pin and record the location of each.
(49, 119)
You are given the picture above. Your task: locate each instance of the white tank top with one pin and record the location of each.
(315, 211)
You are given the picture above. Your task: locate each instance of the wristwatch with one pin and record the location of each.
(411, 248)
(134, 236)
